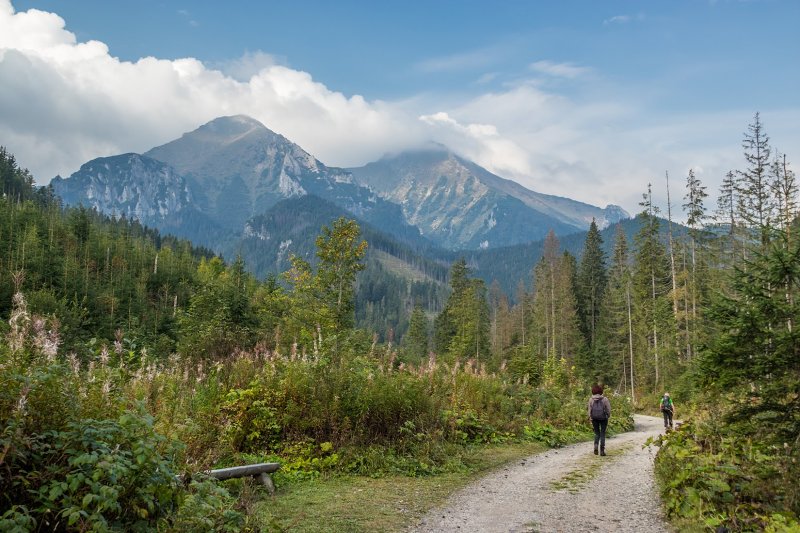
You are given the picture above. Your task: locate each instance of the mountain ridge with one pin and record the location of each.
(231, 169)
(428, 183)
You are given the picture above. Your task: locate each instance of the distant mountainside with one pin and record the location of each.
(397, 275)
(218, 185)
(511, 264)
(238, 169)
(460, 205)
(291, 227)
(217, 177)
(138, 187)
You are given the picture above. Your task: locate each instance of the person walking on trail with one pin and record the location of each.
(599, 413)
(668, 409)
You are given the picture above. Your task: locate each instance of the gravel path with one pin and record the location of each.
(563, 490)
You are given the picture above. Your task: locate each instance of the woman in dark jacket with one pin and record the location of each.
(599, 411)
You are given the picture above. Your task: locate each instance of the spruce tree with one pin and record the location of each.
(615, 320)
(418, 338)
(651, 284)
(695, 220)
(556, 323)
(756, 205)
(592, 279)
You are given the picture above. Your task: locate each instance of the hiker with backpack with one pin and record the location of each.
(668, 409)
(599, 413)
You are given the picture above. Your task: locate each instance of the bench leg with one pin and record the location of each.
(266, 480)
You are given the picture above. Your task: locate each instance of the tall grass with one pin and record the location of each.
(357, 411)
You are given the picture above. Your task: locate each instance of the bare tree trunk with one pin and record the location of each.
(655, 329)
(630, 341)
(672, 255)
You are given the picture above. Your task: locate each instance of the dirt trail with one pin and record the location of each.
(564, 490)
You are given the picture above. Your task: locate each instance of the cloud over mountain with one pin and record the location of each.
(91, 103)
(555, 126)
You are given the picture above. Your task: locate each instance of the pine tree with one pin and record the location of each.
(726, 217)
(418, 338)
(756, 344)
(785, 190)
(695, 220)
(756, 206)
(462, 329)
(470, 312)
(556, 324)
(445, 324)
(653, 317)
(616, 320)
(592, 279)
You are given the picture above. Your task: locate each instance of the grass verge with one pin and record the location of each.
(362, 504)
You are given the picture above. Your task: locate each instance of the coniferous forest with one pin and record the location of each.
(128, 358)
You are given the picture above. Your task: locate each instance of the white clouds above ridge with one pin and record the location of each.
(65, 102)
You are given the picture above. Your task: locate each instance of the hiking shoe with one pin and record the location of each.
(603, 453)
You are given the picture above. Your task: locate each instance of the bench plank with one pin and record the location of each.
(242, 471)
(260, 470)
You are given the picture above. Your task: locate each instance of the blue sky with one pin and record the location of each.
(586, 99)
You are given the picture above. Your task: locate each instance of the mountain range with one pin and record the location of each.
(460, 205)
(208, 184)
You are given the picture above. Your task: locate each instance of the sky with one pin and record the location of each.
(586, 99)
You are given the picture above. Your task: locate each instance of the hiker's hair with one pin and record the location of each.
(597, 389)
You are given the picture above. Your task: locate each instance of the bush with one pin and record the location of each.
(93, 474)
(206, 507)
(716, 478)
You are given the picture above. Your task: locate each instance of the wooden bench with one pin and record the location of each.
(260, 470)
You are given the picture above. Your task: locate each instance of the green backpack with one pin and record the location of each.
(666, 404)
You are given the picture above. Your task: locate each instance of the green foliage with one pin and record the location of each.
(206, 506)
(547, 434)
(72, 456)
(719, 479)
(418, 339)
(591, 287)
(461, 331)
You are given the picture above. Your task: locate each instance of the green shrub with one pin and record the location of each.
(206, 506)
(101, 474)
(720, 478)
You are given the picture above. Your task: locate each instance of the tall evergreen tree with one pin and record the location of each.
(445, 325)
(756, 344)
(556, 323)
(462, 329)
(616, 320)
(592, 279)
(695, 220)
(417, 339)
(651, 283)
(725, 216)
(756, 205)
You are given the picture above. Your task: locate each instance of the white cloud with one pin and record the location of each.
(559, 70)
(251, 63)
(64, 102)
(618, 19)
(623, 19)
(599, 152)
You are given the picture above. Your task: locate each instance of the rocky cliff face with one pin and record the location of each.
(207, 184)
(459, 204)
(131, 185)
(221, 175)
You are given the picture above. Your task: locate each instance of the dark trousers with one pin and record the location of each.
(600, 426)
(667, 418)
